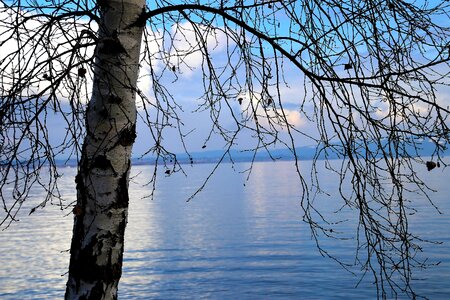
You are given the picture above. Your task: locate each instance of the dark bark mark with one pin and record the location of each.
(127, 136)
(140, 21)
(103, 113)
(96, 292)
(123, 222)
(82, 197)
(101, 162)
(102, 4)
(79, 181)
(78, 210)
(122, 191)
(86, 123)
(114, 99)
(111, 46)
(86, 267)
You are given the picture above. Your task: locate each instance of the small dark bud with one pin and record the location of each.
(167, 172)
(204, 146)
(82, 72)
(77, 210)
(240, 100)
(348, 66)
(431, 165)
(173, 69)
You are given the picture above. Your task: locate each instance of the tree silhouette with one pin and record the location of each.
(373, 74)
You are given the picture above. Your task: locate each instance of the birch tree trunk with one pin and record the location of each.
(102, 182)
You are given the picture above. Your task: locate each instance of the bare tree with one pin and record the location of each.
(371, 73)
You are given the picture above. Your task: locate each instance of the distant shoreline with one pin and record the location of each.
(333, 152)
(213, 160)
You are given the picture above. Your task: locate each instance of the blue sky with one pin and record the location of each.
(187, 89)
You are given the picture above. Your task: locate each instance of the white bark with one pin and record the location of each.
(102, 180)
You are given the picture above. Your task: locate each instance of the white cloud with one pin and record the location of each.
(294, 118)
(269, 113)
(187, 51)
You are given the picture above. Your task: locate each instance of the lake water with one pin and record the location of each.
(233, 241)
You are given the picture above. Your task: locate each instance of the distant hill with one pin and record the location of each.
(424, 148)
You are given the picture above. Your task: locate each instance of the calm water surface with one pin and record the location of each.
(231, 241)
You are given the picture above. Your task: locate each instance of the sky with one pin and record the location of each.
(185, 85)
(187, 89)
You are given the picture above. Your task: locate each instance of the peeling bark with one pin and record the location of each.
(100, 215)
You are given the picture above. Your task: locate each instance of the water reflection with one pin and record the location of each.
(231, 241)
(34, 252)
